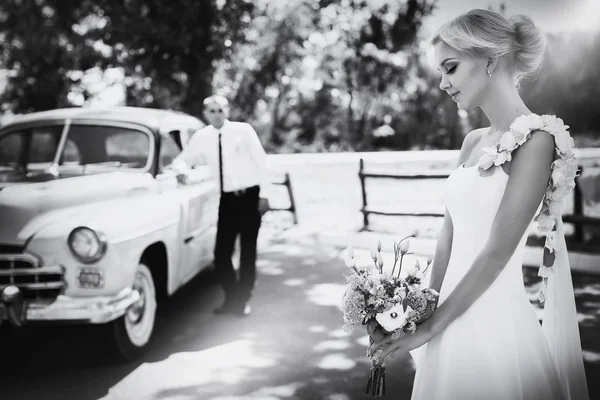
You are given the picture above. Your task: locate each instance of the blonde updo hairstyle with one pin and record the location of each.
(485, 34)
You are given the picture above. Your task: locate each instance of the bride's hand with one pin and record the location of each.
(397, 347)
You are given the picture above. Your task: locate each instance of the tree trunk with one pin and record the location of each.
(275, 138)
(198, 88)
(350, 122)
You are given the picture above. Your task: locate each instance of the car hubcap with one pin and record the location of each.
(139, 319)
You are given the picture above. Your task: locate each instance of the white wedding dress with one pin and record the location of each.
(497, 349)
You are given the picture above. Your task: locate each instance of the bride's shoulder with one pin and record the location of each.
(527, 127)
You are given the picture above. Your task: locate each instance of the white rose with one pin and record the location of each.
(563, 177)
(393, 319)
(488, 158)
(553, 124)
(551, 241)
(508, 141)
(555, 207)
(520, 128)
(559, 130)
(564, 171)
(520, 125)
(545, 222)
(561, 192)
(535, 122)
(564, 142)
(503, 156)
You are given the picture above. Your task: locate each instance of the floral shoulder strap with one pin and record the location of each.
(560, 185)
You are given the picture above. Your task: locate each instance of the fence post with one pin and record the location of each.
(578, 208)
(288, 184)
(363, 188)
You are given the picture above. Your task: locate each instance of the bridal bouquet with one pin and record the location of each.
(386, 303)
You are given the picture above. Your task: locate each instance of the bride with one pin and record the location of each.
(484, 341)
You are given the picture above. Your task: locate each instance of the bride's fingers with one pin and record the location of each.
(391, 356)
(373, 348)
(385, 353)
(388, 339)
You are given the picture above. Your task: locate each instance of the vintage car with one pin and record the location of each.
(94, 227)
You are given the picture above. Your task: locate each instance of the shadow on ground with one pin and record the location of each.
(291, 347)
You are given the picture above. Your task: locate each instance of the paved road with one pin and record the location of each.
(291, 347)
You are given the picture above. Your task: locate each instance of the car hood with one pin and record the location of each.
(27, 207)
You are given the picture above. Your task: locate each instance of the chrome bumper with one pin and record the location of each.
(93, 310)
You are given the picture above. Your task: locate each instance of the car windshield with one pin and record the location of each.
(92, 146)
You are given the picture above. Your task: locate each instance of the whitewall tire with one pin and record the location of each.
(133, 331)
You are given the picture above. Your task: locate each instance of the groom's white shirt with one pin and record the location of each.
(244, 158)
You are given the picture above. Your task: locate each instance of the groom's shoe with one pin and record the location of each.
(244, 310)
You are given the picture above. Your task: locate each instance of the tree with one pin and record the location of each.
(357, 54)
(168, 49)
(39, 61)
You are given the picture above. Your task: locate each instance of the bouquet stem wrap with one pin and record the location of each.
(376, 383)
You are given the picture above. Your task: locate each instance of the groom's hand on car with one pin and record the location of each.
(182, 178)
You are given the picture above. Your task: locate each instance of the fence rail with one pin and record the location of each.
(292, 208)
(577, 218)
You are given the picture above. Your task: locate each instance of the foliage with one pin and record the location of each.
(326, 74)
(165, 50)
(38, 60)
(310, 76)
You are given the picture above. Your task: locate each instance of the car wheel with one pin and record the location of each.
(133, 331)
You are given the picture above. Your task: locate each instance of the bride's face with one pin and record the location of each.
(465, 80)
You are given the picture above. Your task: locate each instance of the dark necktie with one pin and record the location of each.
(220, 163)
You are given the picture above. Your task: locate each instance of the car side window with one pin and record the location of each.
(169, 149)
(42, 150)
(11, 146)
(128, 147)
(71, 154)
(106, 146)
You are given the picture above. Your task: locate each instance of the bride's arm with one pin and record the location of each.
(443, 245)
(529, 175)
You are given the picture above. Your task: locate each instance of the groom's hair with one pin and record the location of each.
(216, 99)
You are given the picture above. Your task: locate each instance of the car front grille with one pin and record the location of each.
(11, 248)
(37, 283)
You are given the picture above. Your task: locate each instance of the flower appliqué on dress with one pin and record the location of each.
(562, 180)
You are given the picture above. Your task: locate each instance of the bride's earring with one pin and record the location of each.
(489, 73)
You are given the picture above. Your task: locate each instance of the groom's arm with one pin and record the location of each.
(443, 246)
(530, 171)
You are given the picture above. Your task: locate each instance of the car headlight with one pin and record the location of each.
(86, 244)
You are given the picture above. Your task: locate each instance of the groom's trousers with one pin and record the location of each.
(238, 215)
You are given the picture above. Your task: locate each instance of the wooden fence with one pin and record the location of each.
(577, 218)
(292, 208)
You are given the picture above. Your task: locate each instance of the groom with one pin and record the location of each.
(234, 153)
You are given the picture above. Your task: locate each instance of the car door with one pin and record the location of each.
(198, 204)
